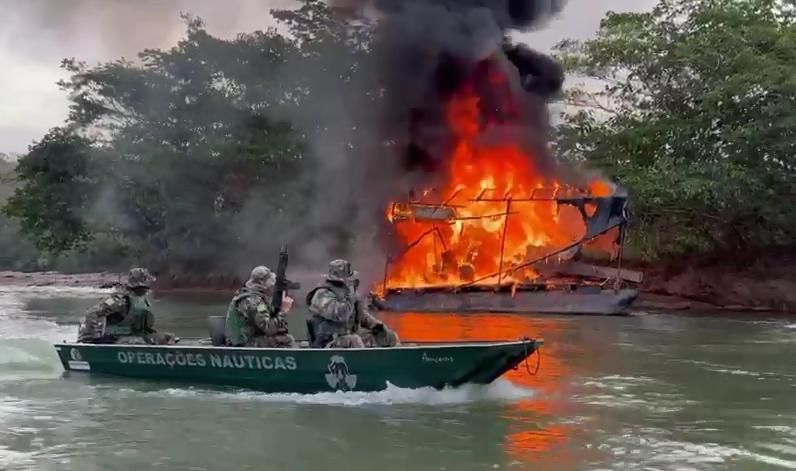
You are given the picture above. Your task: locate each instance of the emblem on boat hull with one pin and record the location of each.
(75, 354)
(76, 361)
(339, 377)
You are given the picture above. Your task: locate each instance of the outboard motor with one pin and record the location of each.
(216, 326)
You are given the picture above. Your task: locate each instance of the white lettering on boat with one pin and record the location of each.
(217, 360)
(429, 359)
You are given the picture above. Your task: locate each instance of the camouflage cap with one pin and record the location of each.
(340, 270)
(262, 276)
(139, 278)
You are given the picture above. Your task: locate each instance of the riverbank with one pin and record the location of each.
(53, 278)
(164, 283)
(757, 287)
(731, 281)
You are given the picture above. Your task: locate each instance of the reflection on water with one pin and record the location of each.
(531, 422)
(452, 327)
(643, 392)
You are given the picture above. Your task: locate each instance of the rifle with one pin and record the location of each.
(282, 283)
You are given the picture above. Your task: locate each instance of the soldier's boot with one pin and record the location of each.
(285, 341)
(165, 338)
(347, 341)
(276, 341)
(131, 340)
(383, 338)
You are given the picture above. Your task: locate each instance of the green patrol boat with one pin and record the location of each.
(303, 370)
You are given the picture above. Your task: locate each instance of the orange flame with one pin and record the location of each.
(494, 213)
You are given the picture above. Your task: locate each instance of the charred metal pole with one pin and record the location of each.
(417, 241)
(408, 248)
(441, 240)
(503, 242)
(386, 271)
(619, 261)
(447, 201)
(434, 241)
(527, 264)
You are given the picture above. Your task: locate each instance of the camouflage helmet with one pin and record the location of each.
(263, 276)
(340, 270)
(139, 278)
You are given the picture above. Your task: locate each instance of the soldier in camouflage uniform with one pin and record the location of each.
(340, 318)
(250, 321)
(125, 317)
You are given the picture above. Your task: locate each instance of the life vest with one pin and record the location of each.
(238, 328)
(138, 320)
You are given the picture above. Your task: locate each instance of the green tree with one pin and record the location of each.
(16, 252)
(190, 134)
(200, 159)
(692, 111)
(58, 186)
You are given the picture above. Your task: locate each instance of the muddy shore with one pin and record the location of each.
(56, 279)
(687, 290)
(731, 281)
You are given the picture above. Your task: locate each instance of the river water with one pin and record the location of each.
(650, 391)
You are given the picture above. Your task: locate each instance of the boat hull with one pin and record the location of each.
(593, 302)
(303, 370)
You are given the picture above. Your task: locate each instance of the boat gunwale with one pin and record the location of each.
(416, 345)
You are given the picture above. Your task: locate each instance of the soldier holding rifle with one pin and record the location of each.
(256, 315)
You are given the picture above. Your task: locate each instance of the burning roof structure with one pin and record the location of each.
(460, 252)
(497, 241)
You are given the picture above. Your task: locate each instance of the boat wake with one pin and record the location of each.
(499, 391)
(22, 359)
(26, 340)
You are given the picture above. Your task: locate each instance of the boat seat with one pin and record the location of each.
(217, 330)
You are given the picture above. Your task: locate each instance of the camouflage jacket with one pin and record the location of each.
(338, 310)
(113, 316)
(250, 315)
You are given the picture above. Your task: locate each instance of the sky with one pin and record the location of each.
(35, 35)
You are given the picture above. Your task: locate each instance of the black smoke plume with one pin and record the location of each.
(428, 49)
(425, 52)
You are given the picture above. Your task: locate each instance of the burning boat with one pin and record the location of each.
(477, 214)
(467, 258)
(500, 234)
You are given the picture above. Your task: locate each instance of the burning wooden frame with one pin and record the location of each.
(559, 283)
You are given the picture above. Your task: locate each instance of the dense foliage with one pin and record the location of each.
(695, 115)
(187, 156)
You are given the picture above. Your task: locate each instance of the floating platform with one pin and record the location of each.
(581, 300)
